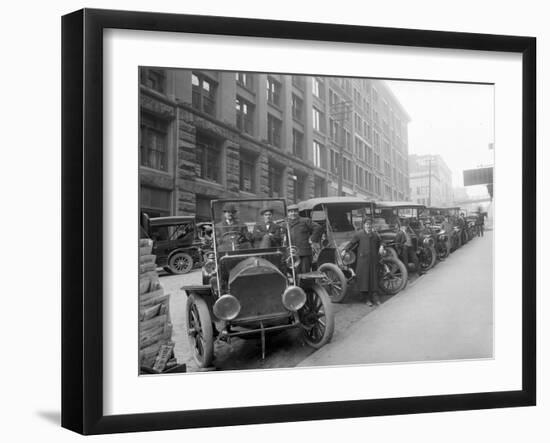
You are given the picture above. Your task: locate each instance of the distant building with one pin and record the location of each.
(214, 134)
(430, 180)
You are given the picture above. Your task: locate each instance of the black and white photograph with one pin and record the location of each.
(293, 220)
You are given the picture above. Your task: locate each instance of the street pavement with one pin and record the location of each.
(446, 314)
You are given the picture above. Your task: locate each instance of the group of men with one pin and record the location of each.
(304, 233)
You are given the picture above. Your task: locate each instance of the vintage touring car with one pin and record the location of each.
(250, 284)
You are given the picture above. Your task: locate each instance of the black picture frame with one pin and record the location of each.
(82, 218)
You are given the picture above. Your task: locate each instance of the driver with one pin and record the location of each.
(230, 233)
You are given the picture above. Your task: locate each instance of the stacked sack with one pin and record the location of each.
(156, 348)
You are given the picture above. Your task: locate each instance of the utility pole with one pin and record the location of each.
(430, 180)
(339, 112)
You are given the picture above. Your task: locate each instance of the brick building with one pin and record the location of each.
(214, 134)
(430, 180)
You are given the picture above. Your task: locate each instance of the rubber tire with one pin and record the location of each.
(331, 267)
(203, 360)
(404, 273)
(172, 261)
(432, 261)
(319, 292)
(444, 255)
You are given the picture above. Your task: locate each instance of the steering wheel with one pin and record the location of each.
(232, 235)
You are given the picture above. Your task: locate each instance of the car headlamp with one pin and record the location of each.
(348, 257)
(293, 298)
(227, 307)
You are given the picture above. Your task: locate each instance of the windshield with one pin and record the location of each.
(249, 224)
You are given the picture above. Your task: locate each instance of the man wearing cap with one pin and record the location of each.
(303, 234)
(230, 234)
(268, 233)
(367, 243)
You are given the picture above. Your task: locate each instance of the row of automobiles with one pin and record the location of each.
(251, 288)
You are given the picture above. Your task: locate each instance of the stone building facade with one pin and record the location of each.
(217, 134)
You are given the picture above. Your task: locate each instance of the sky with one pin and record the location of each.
(454, 120)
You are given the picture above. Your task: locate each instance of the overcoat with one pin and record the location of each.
(273, 230)
(366, 249)
(301, 230)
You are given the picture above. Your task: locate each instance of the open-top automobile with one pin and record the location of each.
(341, 217)
(394, 214)
(250, 284)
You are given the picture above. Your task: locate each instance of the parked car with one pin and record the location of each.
(341, 217)
(251, 288)
(178, 241)
(395, 213)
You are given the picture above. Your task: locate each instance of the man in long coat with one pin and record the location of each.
(367, 244)
(303, 232)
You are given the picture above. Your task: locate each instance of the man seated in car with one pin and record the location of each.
(230, 233)
(268, 233)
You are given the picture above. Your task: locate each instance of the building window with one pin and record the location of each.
(347, 137)
(319, 155)
(368, 180)
(333, 161)
(318, 120)
(359, 176)
(247, 169)
(274, 127)
(297, 108)
(273, 91)
(377, 185)
(204, 94)
(154, 202)
(298, 143)
(369, 155)
(154, 79)
(346, 169)
(333, 98)
(275, 180)
(153, 142)
(377, 162)
(245, 115)
(317, 88)
(335, 131)
(209, 156)
(300, 188)
(245, 80)
(319, 187)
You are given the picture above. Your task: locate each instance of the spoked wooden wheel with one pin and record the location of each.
(317, 317)
(199, 330)
(392, 275)
(181, 263)
(336, 283)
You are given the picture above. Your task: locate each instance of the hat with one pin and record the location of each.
(229, 207)
(292, 207)
(263, 211)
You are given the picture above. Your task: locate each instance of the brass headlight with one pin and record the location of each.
(227, 307)
(348, 257)
(294, 298)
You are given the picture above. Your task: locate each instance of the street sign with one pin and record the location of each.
(480, 176)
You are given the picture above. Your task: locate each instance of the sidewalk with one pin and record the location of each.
(446, 314)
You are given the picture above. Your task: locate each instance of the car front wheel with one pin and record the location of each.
(392, 275)
(336, 284)
(199, 330)
(317, 317)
